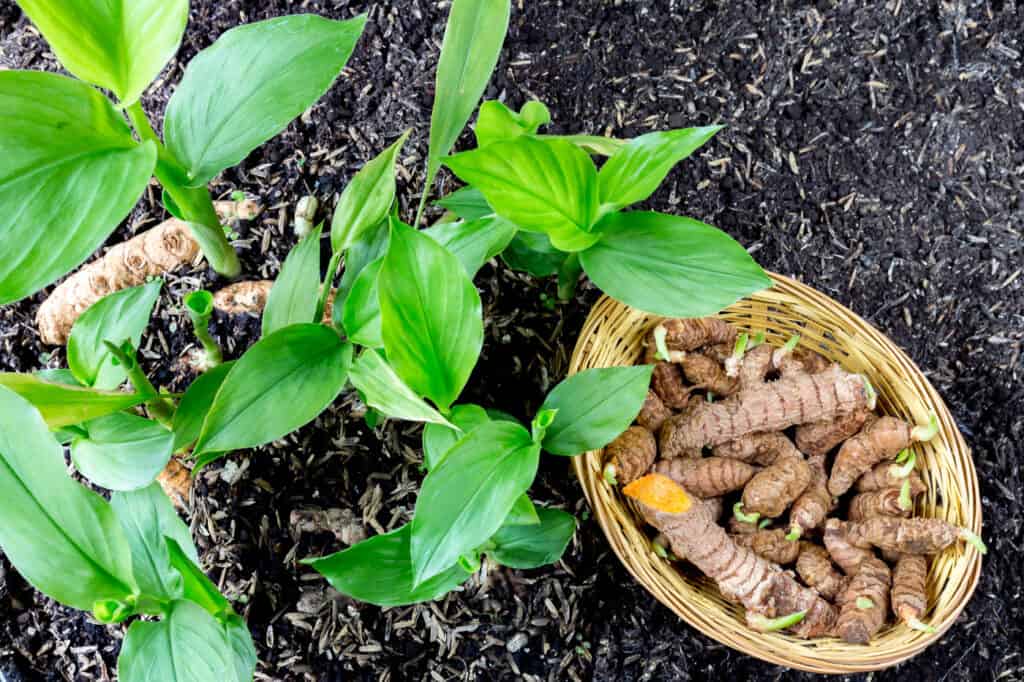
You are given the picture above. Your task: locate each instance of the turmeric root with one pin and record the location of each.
(886, 502)
(770, 407)
(890, 475)
(689, 334)
(878, 441)
(770, 544)
(653, 413)
(755, 365)
(818, 438)
(707, 477)
(771, 491)
(704, 371)
(844, 553)
(176, 481)
(668, 437)
(810, 509)
(799, 361)
(759, 585)
(630, 455)
(814, 566)
(909, 595)
(909, 536)
(758, 448)
(243, 297)
(864, 604)
(667, 382)
(152, 253)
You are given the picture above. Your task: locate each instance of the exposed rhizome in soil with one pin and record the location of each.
(873, 151)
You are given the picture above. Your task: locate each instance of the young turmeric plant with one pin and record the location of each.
(79, 184)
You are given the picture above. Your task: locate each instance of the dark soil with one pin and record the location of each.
(873, 150)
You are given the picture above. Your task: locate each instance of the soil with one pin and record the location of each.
(873, 150)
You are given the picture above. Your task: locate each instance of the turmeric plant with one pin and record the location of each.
(234, 96)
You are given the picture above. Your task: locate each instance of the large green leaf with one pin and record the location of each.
(122, 451)
(385, 391)
(249, 85)
(242, 648)
(594, 407)
(198, 587)
(120, 45)
(670, 265)
(63, 405)
(188, 645)
(518, 546)
(360, 314)
(438, 439)
(533, 252)
(191, 412)
(366, 199)
(281, 383)
(293, 297)
(118, 317)
(539, 185)
(469, 52)
(474, 242)
(497, 123)
(467, 203)
(431, 320)
(466, 498)
(379, 571)
(70, 171)
(146, 517)
(60, 536)
(635, 171)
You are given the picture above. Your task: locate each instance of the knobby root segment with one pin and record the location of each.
(153, 253)
(660, 493)
(631, 455)
(759, 622)
(880, 440)
(707, 477)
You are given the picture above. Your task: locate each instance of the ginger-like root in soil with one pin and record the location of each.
(243, 297)
(708, 476)
(772, 490)
(818, 438)
(152, 253)
(844, 553)
(176, 481)
(879, 440)
(770, 407)
(768, 593)
(864, 604)
(653, 413)
(815, 568)
(770, 544)
(888, 502)
(909, 536)
(630, 456)
(815, 502)
(909, 591)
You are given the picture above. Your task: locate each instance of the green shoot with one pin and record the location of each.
(974, 539)
(906, 504)
(659, 549)
(764, 524)
(659, 341)
(759, 622)
(710, 397)
(757, 340)
(795, 531)
(902, 457)
(915, 624)
(791, 343)
(737, 510)
(199, 306)
(541, 422)
(863, 603)
(740, 347)
(470, 563)
(609, 474)
(927, 432)
(870, 391)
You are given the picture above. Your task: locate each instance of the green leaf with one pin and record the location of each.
(469, 52)
(497, 123)
(189, 645)
(533, 253)
(592, 144)
(438, 439)
(635, 171)
(670, 265)
(360, 315)
(242, 649)
(63, 405)
(280, 384)
(466, 498)
(188, 418)
(123, 451)
(366, 199)
(385, 391)
(249, 85)
(474, 242)
(369, 247)
(431, 316)
(379, 571)
(146, 516)
(527, 547)
(467, 203)
(118, 317)
(523, 513)
(69, 173)
(594, 407)
(545, 186)
(61, 537)
(120, 45)
(293, 297)
(198, 588)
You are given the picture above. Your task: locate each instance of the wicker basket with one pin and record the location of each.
(613, 335)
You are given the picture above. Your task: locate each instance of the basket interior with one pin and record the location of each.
(613, 335)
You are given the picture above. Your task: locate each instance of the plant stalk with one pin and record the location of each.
(157, 406)
(325, 290)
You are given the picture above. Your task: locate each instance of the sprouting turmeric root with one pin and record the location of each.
(758, 448)
(769, 544)
(818, 438)
(771, 407)
(890, 475)
(653, 413)
(152, 253)
(879, 440)
(707, 477)
(814, 566)
(705, 372)
(243, 297)
(810, 509)
(909, 592)
(888, 502)
(630, 456)
(844, 553)
(909, 536)
(770, 492)
(689, 334)
(864, 603)
(772, 597)
(667, 382)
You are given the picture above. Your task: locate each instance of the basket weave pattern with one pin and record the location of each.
(613, 335)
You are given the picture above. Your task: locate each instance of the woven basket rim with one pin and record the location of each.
(945, 462)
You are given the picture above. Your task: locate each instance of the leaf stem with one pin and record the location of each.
(158, 407)
(199, 305)
(325, 289)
